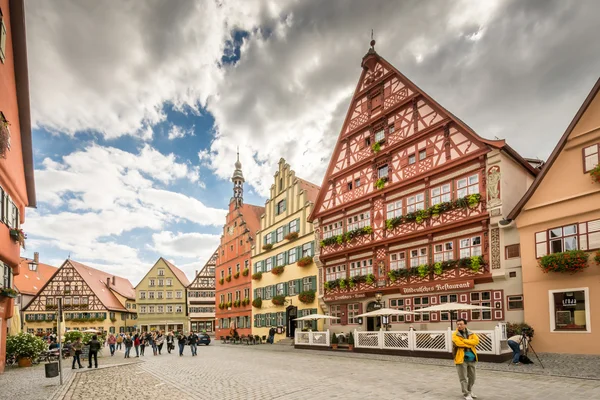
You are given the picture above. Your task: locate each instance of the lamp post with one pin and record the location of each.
(378, 297)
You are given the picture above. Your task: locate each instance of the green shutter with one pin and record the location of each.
(264, 239)
(273, 319)
(285, 289)
(286, 230)
(273, 237)
(274, 262)
(312, 248)
(313, 283)
(298, 252)
(284, 204)
(285, 258)
(298, 225)
(298, 286)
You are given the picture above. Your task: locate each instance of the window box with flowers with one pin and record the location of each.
(597, 257)
(245, 272)
(257, 276)
(237, 303)
(308, 296)
(569, 261)
(278, 300)
(291, 236)
(246, 301)
(257, 302)
(304, 261)
(228, 279)
(278, 270)
(236, 275)
(595, 174)
(221, 281)
(8, 292)
(267, 246)
(17, 235)
(380, 183)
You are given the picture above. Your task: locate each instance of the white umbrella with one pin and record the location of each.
(385, 312)
(314, 317)
(452, 307)
(91, 330)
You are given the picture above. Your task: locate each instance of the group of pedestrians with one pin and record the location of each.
(76, 348)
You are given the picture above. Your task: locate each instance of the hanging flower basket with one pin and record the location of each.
(291, 236)
(307, 296)
(304, 261)
(8, 292)
(228, 279)
(245, 272)
(595, 174)
(246, 301)
(257, 302)
(278, 300)
(221, 281)
(236, 275)
(278, 270)
(4, 138)
(267, 247)
(569, 261)
(18, 236)
(257, 276)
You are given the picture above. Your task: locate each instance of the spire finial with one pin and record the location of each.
(372, 41)
(238, 153)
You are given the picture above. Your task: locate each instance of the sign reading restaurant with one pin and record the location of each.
(345, 296)
(438, 287)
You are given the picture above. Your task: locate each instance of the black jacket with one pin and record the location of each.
(94, 345)
(193, 339)
(182, 339)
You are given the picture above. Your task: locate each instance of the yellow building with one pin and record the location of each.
(284, 279)
(161, 298)
(91, 299)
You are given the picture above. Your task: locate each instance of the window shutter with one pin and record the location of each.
(274, 237)
(274, 261)
(285, 289)
(403, 162)
(263, 292)
(273, 319)
(344, 311)
(298, 252)
(286, 229)
(541, 245)
(298, 284)
(284, 204)
(265, 240)
(314, 323)
(312, 248)
(429, 150)
(285, 258)
(313, 283)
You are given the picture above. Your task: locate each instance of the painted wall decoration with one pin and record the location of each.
(493, 186)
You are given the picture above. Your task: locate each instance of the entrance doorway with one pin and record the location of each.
(291, 312)
(373, 323)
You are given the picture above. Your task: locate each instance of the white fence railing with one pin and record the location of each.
(312, 338)
(435, 341)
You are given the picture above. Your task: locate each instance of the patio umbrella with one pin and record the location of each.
(91, 330)
(452, 307)
(314, 317)
(385, 312)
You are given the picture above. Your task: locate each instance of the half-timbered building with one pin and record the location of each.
(408, 213)
(91, 299)
(201, 298)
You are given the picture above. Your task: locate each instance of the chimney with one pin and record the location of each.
(107, 281)
(113, 281)
(36, 257)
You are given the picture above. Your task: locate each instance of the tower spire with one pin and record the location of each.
(238, 182)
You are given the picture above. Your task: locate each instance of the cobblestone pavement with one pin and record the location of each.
(279, 372)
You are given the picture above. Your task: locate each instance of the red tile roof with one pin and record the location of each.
(97, 281)
(251, 215)
(178, 273)
(31, 282)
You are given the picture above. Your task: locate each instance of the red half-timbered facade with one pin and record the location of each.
(410, 209)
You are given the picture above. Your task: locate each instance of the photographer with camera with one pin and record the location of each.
(516, 342)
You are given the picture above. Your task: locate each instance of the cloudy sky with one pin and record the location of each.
(139, 105)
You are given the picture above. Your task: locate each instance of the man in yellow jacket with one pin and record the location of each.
(465, 357)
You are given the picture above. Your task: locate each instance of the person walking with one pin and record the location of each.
(271, 335)
(193, 341)
(515, 343)
(170, 341)
(112, 340)
(119, 341)
(76, 348)
(465, 357)
(181, 340)
(136, 343)
(94, 348)
(160, 339)
(128, 345)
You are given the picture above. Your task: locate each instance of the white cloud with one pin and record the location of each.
(177, 132)
(185, 245)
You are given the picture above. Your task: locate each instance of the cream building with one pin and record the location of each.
(201, 298)
(284, 275)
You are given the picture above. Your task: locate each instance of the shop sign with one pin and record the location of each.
(437, 287)
(337, 297)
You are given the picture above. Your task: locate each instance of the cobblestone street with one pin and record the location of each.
(278, 372)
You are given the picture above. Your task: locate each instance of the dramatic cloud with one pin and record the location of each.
(177, 132)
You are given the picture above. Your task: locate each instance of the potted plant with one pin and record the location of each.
(350, 341)
(18, 236)
(595, 174)
(228, 279)
(25, 347)
(569, 261)
(308, 296)
(236, 275)
(334, 341)
(278, 270)
(8, 292)
(597, 257)
(221, 281)
(245, 272)
(257, 276)
(257, 302)
(291, 236)
(278, 300)
(267, 246)
(380, 183)
(304, 261)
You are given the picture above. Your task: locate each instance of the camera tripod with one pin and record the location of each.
(527, 346)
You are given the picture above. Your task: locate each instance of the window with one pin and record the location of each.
(349, 185)
(412, 159)
(332, 230)
(569, 310)
(481, 299)
(367, 142)
(359, 221)
(229, 271)
(160, 309)
(279, 289)
(268, 292)
(415, 202)
(280, 318)
(470, 247)
(335, 311)
(237, 268)
(159, 295)
(179, 294)
(394, 209)
(361, 268)
(443, 252)
(279, 234)
(514, 302)
(353, 311)
(169, 295)
(590, 157)
(441, 194)
(422, 154)
(512, 251)
(161, 282)
(161, 272)
(170, 282)
(379, 135)
(268, 264)
(222, 297)
(391, 128)
(421, 302)
(142, 309)
(269, 238)
(357, 183)
(2, 39)
(142, 295)
(293, 227)
(397, 304)
(151, 309)
(562, 239)
(466, 186)
(178, 309)
(280, 259)
(291, 288)
(169, 309)
(418, 257)
(336, 272)
(237, 295)
(382, 172)
(281, 207)
(152, 282)
(292, 256)
(398, 260)
(222, 274)
(307, 283)
(307, 249)
(151, 295)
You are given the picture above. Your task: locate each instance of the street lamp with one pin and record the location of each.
(378, 297)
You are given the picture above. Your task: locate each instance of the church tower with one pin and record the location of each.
(238, 184)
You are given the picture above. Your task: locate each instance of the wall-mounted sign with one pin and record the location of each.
(437, 287)
(569, 302)
(337, 297)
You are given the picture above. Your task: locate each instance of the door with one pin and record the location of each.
(291, 313)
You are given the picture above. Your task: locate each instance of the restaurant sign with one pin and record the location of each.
(437, 287)
(337, 297)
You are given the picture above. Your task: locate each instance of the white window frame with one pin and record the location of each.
(335, 272)
(361, 267)
(268, 264)
(470, 246)
(421, 258)
(467, 185)
(383, 171)
(415, 202)
(446, 253)
(280, 259)
(357, 221)
(307, 249)
(142, 295)
(591, 157)
(293, 226)
(379, 135)
(179, 294)
(394, 209)
(398, 260)
(441, 194)
(292, 256)
(588, 320)
(279, 234)
(332, 229)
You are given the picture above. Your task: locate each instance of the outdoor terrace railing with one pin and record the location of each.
(312, 338)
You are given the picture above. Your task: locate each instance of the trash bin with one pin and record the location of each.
(51, 370)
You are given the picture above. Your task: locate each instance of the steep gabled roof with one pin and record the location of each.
(311, 190)
(179, 274)
(31, 282)
(554, 155)
(251, 215)
(496, 144)
(212, 261)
